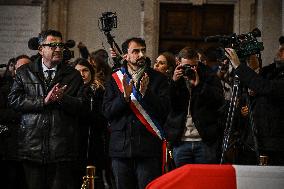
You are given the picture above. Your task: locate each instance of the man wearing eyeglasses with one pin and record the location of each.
(47, 93)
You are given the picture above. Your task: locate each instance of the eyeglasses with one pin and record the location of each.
(54, 45)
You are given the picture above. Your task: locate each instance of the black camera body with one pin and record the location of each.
(108, 21)
(188, 71)
(244, 44)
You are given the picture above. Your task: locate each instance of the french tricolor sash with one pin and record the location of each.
(138, 107)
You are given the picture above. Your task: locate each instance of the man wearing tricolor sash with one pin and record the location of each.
(136, 103)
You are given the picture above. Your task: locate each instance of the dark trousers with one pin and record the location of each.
(12, 175)
(135, 173)
(61, 175)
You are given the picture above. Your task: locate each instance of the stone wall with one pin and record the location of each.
(78, 20)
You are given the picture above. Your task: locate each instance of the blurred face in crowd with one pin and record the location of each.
(52, 51)
(136, 55)
(85, 73)
(281, 54)
(21, 62)
(201, 58)
(253, 63)
(161, 64)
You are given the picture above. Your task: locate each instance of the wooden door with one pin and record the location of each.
(187, 25)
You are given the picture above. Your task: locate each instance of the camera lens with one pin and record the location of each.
(188, 71)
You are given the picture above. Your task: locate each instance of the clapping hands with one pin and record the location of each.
(127, 87)
(55, 94)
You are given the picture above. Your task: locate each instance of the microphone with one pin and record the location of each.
(33, 43)
(3, 65)
(216, 38)
(70, 43)
(281, 40)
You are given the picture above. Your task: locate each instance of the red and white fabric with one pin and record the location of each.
(203, 176)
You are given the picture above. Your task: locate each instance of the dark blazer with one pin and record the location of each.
(48, 133)
(206, 98)
(128, 137)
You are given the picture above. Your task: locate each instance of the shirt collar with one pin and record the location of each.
(44, 68)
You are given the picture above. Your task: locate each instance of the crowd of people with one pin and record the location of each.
(62, 115)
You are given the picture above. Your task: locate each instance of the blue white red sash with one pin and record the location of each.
(138, 107)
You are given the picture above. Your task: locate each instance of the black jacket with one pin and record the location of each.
(10, 119)
(269, 104)
(128, 137)
(93, 129)
(206, 98)
(48, 133)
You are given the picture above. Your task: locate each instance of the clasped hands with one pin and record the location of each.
(127, 87)
(55, 94)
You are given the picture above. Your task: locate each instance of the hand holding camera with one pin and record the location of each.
(188, 71)
(233, 57)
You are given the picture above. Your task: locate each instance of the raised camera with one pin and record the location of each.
(108, 21)
(188, 71)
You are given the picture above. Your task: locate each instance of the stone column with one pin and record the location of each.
(151, 27)
(269, 22)
(58, 15)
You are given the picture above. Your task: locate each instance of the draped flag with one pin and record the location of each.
(205, 176)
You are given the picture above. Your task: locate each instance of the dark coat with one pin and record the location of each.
(10, 119)
(93, 130)
(128, 137)
(206, 98)
(48, 133)
(269, 105)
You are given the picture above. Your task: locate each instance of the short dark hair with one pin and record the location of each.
(99, 54)
(187, 53)
(22, 56)
(125, 44)
(43, 35)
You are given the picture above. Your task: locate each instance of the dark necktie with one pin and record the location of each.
(49, 77)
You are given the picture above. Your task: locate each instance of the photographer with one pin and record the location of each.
(268, 110)
(192, 125)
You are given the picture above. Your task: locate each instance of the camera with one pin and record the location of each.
(188, 71)
(244, 44)
(108, 21)
(67, 53)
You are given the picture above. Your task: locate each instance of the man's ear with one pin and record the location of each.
(40, 49)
